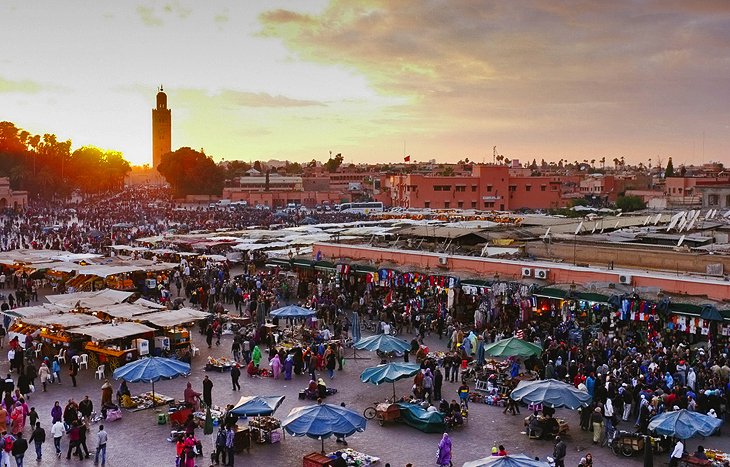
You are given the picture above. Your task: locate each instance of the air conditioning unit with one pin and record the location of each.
(526, 272)
(443, 260)
(625, 279)
(541, 273)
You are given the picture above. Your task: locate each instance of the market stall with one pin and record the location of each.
(52, 331)
(174, 326)
(114, 344)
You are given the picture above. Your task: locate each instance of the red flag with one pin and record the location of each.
(407, 158)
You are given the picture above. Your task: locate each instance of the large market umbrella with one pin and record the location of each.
(516, 460)
(383, 342)
(684, 424)
(292, 311)
(322, 421)
(512, 347)
(551, 393)
(389, 373)
(151, 369)
(252, 406)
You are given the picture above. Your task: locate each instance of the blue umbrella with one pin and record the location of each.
(383, 342)
(322, 421)
(292, 311)
(552, 393)
(257, 405)
(151, 369)
(684, 424)
(517, 460)
(389, 373)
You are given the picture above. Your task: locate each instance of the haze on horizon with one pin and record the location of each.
(450, 78)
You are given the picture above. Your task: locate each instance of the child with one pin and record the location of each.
(56, 369)
(33, 415)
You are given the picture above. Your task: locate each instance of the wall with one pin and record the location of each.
(557, 272)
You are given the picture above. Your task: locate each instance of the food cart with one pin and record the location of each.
(174, 328)
(52, 331)
(265, 429)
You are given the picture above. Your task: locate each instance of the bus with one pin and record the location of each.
(370, 207)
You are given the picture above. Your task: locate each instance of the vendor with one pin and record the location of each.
(106, 394)
(700, 453)
(191, 397)
(321, 388)
(123, 391)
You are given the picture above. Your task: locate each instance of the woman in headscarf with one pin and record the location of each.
(288, 366)
(17, 418)
(106, 394)
(275, 366)
(443, 459)
(256, 356)
(44, 373)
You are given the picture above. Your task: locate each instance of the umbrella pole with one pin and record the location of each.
(153, 394)
(394, 392)
(322, 438)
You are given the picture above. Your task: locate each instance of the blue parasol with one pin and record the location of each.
(552, 393)
(257, 405)
(389, 373)
(292, 311)
(384, 343)
(684, 424)
(322, 421)
(151, 369)
(517, 460)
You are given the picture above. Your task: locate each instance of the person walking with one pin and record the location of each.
(74, 441)
(101, 439)
(220, 445)
(597, 423)
(38, 437)
(438, 379)
(57, 431)
(230, 435)
(443, 457)
(207, 391)
(559, 452)
(235, 374)
(18, 450)
(73, 371)
(677, 454)
(6, 444)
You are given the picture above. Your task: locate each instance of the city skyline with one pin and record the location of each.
(447, 80)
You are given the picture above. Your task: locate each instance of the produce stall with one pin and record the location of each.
(145, 401)
(219, 364)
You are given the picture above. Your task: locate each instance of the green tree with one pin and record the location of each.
(293, 168)
(266, 183)
(334, 163)
(669, 171)
(630, 203)
(190, 172)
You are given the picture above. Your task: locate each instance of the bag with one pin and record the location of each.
(11, 354)
(32, 388)
(8, 443)
(113, 415)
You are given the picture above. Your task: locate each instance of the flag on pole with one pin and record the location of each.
(407, 158)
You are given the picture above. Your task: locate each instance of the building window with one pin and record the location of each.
(512, 188)
(554, 188)
(427, 204)
(473, 188)
(528, 187)
(474, 204)
(447, 204)
(713, 200)
(460, 188)
(488, 204)
(543, 187)
(489, 188)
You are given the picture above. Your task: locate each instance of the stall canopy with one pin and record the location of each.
(167, 319)
(65, 320)
(107, 332)
(292, 311)
(35, 311)
(382, 342)
(322, 421)
(90, 299)
(552, 393)
(512, 347)
(149, 304)
(515, 460)
(252, 406)
(125, 310)
(389, 373)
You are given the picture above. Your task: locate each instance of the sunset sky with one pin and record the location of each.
(450, 79)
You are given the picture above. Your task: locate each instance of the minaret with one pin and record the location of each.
(161, 129)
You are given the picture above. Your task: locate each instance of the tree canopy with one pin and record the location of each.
(190, 172)
(45, 166)
(630, 203)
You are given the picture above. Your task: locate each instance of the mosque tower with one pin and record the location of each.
(161, 129)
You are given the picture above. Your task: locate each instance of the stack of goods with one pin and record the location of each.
(354, 458)
(145, 401)
(220, 364)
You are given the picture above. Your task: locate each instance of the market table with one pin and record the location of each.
(144, 401)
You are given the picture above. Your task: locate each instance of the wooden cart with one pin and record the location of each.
(387, 412)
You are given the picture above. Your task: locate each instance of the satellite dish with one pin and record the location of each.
(547, 233)
(579, 228)
(646, 221)
(727, 214)
(616, 226)
(681, 240)
(594, 228)
(658, 218)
